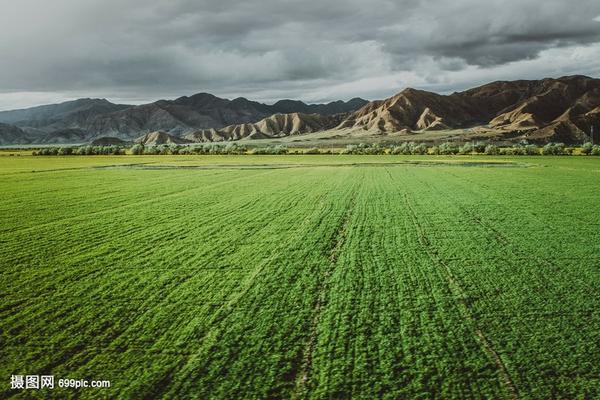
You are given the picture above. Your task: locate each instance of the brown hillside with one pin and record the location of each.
(547, 110)
(412, 110)
(277, 125)
(158, 138)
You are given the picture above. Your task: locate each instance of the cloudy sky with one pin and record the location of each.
(314, 50)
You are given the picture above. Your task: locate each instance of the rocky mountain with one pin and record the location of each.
(410, 110)
(335, 107)
(63, 136)
(276, 125)
(70, 114)
(159, 137)
(10, 134)
(562, 109)
(99, 117)
(180, 116)
(544, 110)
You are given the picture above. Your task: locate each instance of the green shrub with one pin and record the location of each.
(373, 149)
(312, 150)
(186, 150)
(151, 150)
(519, 150)
(349, 149)
(421, 148)
(137, 149)
(587, 148)
(448, 148)
(65, 151)
(506, 151)
(532, 150)
(270, 150)
(491, 150)
(403, 148)
(363, 148)
(480, 147)
(553, 149)
(466, 148)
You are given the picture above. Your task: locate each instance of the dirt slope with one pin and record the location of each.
(543, 110)
(158, 138)
(276, 125)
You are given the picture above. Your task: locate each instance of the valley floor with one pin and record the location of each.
(302, 276)
(342, 137)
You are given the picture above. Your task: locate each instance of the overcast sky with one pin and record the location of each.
(314, 50)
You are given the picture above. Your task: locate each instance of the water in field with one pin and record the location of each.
(257, 165)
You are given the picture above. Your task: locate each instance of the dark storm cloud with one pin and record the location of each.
(141, 50)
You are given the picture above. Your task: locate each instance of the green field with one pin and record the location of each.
(314, 277)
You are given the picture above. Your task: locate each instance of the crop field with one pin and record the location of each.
(308, 277)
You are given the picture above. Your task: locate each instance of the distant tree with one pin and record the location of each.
(137, 149)
(548, 149)
(65, 151)
(466, 148)
(405, 148)
(350, 149)
(532, 150)
(506, 151)
(151, 150)
(448, 148)
(420, 148)
(186, 150)
(587, 148)
(569, 151)
(279, 149)
(374, 149)
(480, 147)
(491, 150)
(518, 150)
(553, 149)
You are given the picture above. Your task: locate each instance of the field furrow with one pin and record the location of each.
(301, 277)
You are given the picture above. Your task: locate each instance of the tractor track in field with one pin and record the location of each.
(470, 184)
(301, 376)
(500, 237)
(515, 249)
(85, 167)
(228, 306)
(461, 295)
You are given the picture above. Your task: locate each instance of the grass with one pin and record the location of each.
(336, 276)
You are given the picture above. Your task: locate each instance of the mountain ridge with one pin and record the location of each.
(185, 114)
(546, 109)
(274, 126)
(549, 109)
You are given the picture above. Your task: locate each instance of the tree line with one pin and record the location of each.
(406, 148)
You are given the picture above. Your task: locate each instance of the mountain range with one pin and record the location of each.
(88, 119)
(563, 109)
